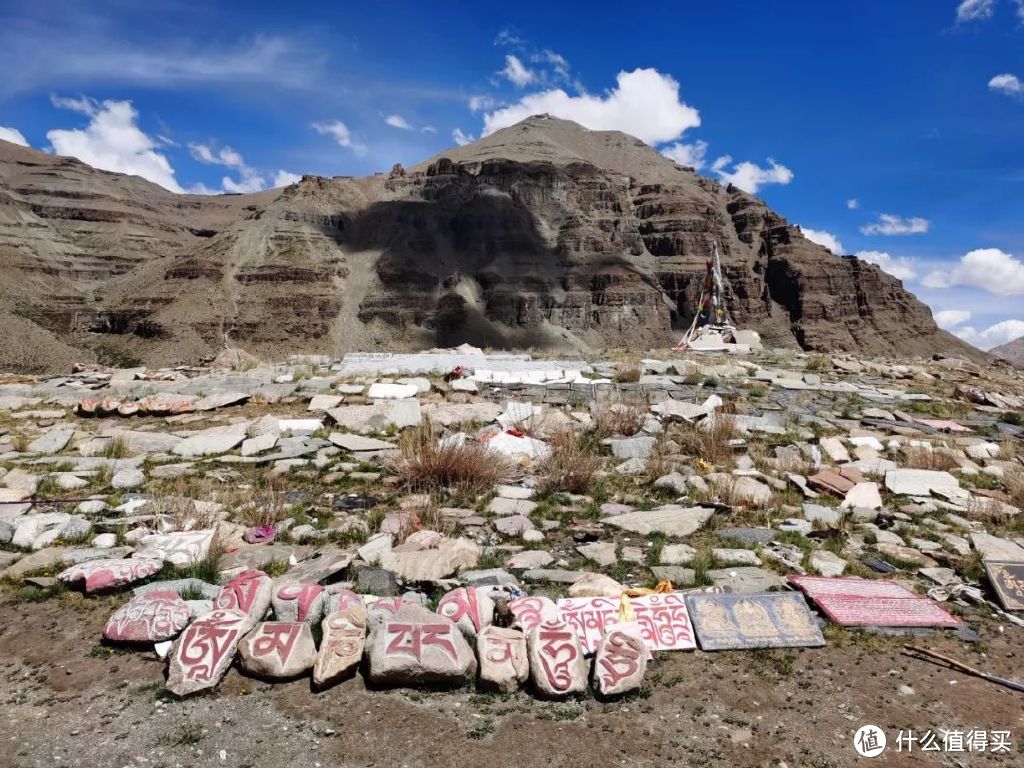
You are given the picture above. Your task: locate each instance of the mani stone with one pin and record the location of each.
(504, 665)
(621, 660)
(205, 650)
(671, 519)
(295, 601)
(107, 574)
(278, 650)
(181, 549)
(151, 617)
(416, 647)
(249, 594)
(341, 649)
(558, 667)
(470, 608)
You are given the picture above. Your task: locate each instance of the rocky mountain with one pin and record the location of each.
(544, 234)
(1013, 351)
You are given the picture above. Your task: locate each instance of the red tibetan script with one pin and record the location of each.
(411, 639)
(303, 594)
(205, 643)
(621, 658)
(276, 637)
(557, 652)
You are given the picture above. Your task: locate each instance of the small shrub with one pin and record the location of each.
(115, 449)
(818, 363)
(427, 464)
(571, 466)
(624, 419)
(627, 374)
(709, 440)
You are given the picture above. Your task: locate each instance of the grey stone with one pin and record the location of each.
(504, 665)
(53, 441)
(620, 662)
(417, 647)
(277, 650)
(825, 515)
(220, 400)
(671, 519)
(208, 444)
(128, 478)
(746, 579)
(632, 447)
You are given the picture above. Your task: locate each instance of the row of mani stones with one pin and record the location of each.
(483, 633)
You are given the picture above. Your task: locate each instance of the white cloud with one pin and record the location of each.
(112, 141)
(827, 239)
(397, 121)
(556, 61)
(975, 10)
(994, 335)
(644, 103)
(341, 134)
(691, 155)
(507, 37)
(990, 269)
(462, 139)
(1007, 84)
(428, 129)
(13, 135)
(516, 72)
(286, 178)
(249, 179)
(902, 268)
(889, 224)
(749, 176)
(950, 318)
(1020, 9)
(853, 203)
(480, 103)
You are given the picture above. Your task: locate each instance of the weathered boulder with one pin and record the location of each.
(504, 665)
(529, 612)
(151, 617)
(557, 665)
(471, 608)
(417, 647)
(249, 593)
(295, 601)
(108, 574)
(278, 650)
(447, 558)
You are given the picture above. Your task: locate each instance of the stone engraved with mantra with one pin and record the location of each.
(205, 642)
(304, 596)
(557, 652)
(663, 619)
(157, 615)
(410, 639)
(529, 611)
(500, 650)
(240, 592)
(621, 659)
(276, 637)
(346, 636)
(459, 603)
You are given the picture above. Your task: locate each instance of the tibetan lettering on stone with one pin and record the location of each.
(621, 660)
(416, 647)
(558, 667)
(249, 593)
(1007, 580)
(205, 650)
(151, 617)
(278, 650)
(108, 574)
(531, 611)
(341, 649)
(298, 602)
(664, 620)
(471, 608)
(504, 665)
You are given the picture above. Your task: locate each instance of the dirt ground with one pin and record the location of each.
(67, 700)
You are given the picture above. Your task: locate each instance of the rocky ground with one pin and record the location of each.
(717, 473)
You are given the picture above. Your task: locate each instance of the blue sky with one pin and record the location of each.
(889, 128)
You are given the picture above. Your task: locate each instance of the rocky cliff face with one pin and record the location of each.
(544, 234)
(1011, 351)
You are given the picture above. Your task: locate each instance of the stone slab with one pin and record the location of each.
(765, 620)
(663, 618)
(872, 602)
(1007, 579)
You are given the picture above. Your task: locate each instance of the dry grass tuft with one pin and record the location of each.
(708, 439)
(427, 465)
(1014, 482)
(624, 419)
(627, 374)
(922, 458)
(572, 465)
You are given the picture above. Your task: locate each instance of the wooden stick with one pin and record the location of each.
(1012, 684)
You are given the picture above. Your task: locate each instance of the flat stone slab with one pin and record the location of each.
(663, 618)
(758, 620)
(672, 520)
(152, 617)
(205, 650)
(53, 441)
(208, 444)
(379, 416)
(1007, 579)
(745, 579)
(351, 442)
(220, 400)
(872, 602)
(921, 482)
(108, 574)
(996, 548)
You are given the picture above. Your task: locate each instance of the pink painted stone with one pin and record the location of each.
(621, 660)
(249, 593)
(664, 620)
(504, 665)
(107, 574)
(149, 618)
(557, 664)
(341, 649)
(293, 601)
(260, 534)
(87, 406)
(345, 599)
(471, 608)
(205, 650)
(530, 612)
(278, 650)
(416, 647)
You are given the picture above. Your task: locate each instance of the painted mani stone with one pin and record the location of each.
(205, 650)
(248, 593)
(418, 647)
(148, 618)
(531, 611)
(107, 574)
(471, 608)
(663, 618)
(293, 601)
(341, 649)
(504, 665)
(278, 650)
(557, 665)
(621, 660)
